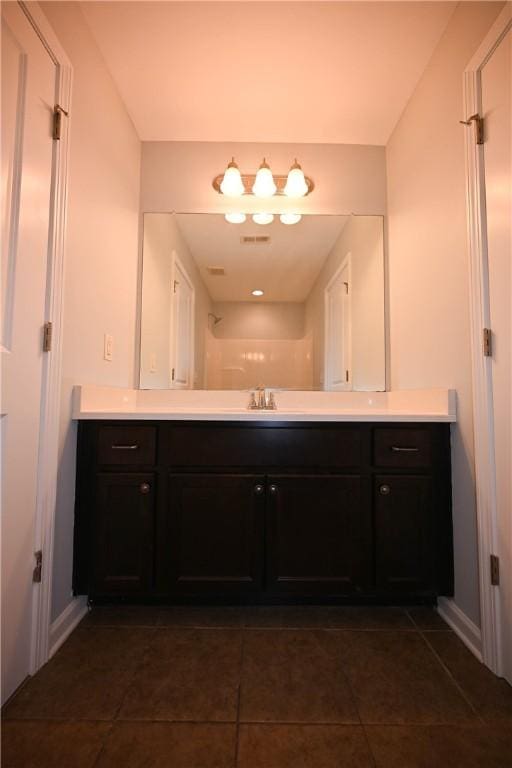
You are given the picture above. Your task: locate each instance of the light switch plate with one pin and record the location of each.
(108, 347)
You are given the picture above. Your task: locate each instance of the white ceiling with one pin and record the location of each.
(335, 72)
(285, 269)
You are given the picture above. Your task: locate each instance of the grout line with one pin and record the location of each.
(454, 680)
(237, 736)
(103, 746)
(413, 724)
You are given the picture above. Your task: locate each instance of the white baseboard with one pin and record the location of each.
(467, 630)
(65, 623)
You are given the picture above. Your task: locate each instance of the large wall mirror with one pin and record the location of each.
(237, 305)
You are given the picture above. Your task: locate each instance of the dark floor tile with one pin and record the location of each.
(187, 674)
(86, 679)
(397, 679)
(286, 616)
(364, 617)
(294, 676)
(303, 746)
(441, 746)
(121, 616)
(490, 695)
(169, 745)
(426, 617)
(40, 744)
(200, 616)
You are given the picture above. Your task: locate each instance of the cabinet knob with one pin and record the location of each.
(273, 489)
(258, 490)
(145, 488)
(385, 490)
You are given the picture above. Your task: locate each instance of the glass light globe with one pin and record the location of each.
(235, 218)
(263, 218)
(264, 185)
(296, 182)
(290, 218)
(257, 292)
(232, 184)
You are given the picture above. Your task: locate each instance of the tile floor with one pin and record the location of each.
(306, 687)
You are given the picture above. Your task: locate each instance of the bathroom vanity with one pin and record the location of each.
(331, 504)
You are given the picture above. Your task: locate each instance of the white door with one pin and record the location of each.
(28, 96)
(182, 328)
(496, 109)
(338, 353)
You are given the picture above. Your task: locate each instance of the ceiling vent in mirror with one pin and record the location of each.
(217, 271)
(254, 239)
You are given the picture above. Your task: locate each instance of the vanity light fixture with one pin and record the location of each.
(264, 183)
(232, 184)
(290, 218)
(257, 292)
(296, 185)
(235, 218)
(263, 218)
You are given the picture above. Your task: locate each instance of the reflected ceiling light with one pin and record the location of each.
(290, 218)
(232, 184)
(235, 218)
(296, 185)
(264, 185)
(257, 292)
(263, 218)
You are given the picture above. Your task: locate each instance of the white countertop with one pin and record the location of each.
(110, 403)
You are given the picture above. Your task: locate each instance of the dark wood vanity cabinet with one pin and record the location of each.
(263, 512)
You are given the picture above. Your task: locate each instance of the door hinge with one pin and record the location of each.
(47, 337)
(495, 570)
(36, 575)
(346, 287)
(478, 125)
(172, 375)
(487, 342)
(346, 376)
(175, 284)
(58, 111)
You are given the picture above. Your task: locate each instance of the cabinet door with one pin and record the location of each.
(318, 535)
(404, 533)
(215, 533)
(123, 532)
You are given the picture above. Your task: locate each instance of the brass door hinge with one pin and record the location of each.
(495, 570)
(478, 124)
(47, 337)
(37, 572)
(487, 342)
(58, 111)
(172, 375)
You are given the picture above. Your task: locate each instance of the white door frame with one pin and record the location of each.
(51, 378)
(177, 263)
(347, 262)
(480, 319)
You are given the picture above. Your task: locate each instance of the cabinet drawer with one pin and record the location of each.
(399, 447)
(126, 445)
(202, 446)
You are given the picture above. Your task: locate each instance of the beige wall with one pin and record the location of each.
(161, 238)
(101, 254)
(428, 262)
(259, 320)
(363, 238)
(177, 176)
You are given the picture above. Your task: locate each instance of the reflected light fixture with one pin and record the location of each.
(296, 185)
(232, 184)
(290, 218)
(264, 185)
(257, 292)
(235, 218)
(263, 218)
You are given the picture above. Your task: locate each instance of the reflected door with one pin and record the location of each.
(182, 329)
(338, 321)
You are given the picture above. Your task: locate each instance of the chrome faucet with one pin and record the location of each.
(262, 400)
